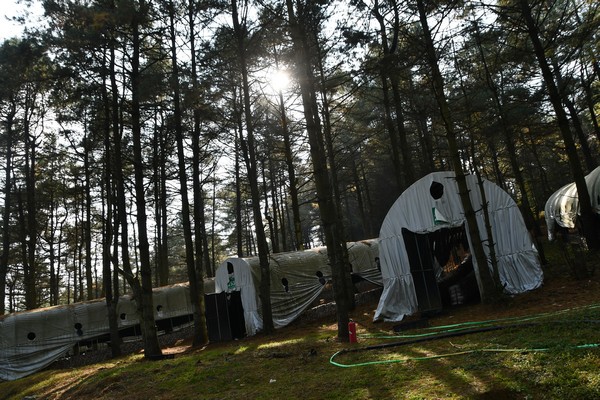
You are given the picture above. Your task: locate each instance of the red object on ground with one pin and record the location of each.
(352, 331)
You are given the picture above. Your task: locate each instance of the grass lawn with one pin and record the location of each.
(538, 345)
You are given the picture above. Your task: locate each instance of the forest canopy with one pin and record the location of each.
(145, 139)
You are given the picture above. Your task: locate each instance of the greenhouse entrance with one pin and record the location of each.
(441, 268)
(225, 316)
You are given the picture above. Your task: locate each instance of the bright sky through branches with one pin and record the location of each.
(7, 27)
(15, 8)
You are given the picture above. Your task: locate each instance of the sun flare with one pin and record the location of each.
(280, 80)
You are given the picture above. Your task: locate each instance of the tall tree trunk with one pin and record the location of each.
(589, 101)
(327, 210)
(368, 203)
(291, 170)
(590, 162)
(87, 227)
(116, 167)
(160, 205)
(421, 116)
(248, 150)
(6, 236)
(196, 287)
(589, 220)
(30, 295)
(78, 260)
(269, 216)
(143, 288)
(213, 225)
(391, 128)
(51, 248)
(364, 221)
(332, 168)
(30, 219)
(530, 220)
(281, 201)
(389, 79)
(576, 122)
(238, 184)
(409, 173)
(489, 289)
(111, 297)
(200, 241)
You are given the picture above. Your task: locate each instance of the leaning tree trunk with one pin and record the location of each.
(589, 219)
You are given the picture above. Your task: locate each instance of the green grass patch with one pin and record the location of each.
(541, 345)
(534, 359)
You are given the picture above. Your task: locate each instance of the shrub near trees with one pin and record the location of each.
(138, 138)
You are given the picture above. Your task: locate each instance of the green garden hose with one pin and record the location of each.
(460, 329)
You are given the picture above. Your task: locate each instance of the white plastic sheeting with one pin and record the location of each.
(241, 280)
(562, 207)
(32, 340)
(304, 274)
(417, 211)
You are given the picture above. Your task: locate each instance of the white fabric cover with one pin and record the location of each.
(362, 256)
(300, 270)
(562, 207)
(417, 211)
(32, 340)
(244, 283)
